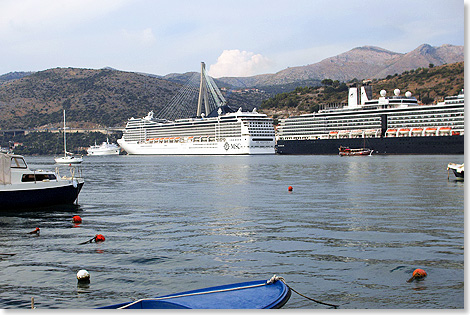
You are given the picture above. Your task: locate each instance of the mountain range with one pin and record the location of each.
(109, 97)
(367, 62)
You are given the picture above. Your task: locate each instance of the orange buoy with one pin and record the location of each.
(77, 219)
(99, 238)
(418, 274)
(290, 188)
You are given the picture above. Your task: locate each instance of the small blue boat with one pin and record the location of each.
(273, 293)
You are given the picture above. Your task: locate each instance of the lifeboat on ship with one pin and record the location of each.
(333, 134)
(445, 131)
(391, 132)
(343, 134)
(371, 132)
(430, 131)
(404, 132)
(356, 133)
(417, 131)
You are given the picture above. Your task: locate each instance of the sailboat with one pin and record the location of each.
(68, 157)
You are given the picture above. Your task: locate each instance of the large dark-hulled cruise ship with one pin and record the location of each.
(387, 125)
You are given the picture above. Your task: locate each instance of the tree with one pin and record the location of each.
(327, 82)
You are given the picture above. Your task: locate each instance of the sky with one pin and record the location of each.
(233, 38)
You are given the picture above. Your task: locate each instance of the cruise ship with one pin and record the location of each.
(387, 125)
(213, 131)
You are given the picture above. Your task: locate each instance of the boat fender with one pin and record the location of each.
(418, 274)
(74, 183)
(83, 276)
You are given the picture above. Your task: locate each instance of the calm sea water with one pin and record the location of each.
(350, 233)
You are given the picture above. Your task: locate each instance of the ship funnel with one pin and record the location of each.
(353, 98)
(366, 94)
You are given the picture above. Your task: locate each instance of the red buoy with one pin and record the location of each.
(77, 219)
(290, 188)
(418, 274)
(99, 238)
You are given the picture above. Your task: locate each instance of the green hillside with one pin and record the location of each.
(97, 97)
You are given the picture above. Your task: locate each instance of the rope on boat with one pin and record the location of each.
(275, 278)
(193, 294)
(272, 280)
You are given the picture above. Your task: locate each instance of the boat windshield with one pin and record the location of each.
(18, 162)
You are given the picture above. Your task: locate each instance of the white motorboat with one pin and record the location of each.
(21, 187)
(104, 148)
(458, 170)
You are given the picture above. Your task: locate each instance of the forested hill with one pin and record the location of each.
(92, 98)
(428, 85)
(107, 97)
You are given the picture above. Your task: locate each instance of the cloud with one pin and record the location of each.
(143, 37)
(236, 63)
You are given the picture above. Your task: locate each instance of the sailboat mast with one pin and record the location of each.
(65, 141)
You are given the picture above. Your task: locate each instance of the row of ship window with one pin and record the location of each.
(407, 116)
(365, 121)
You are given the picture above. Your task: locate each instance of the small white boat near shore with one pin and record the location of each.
(104, 148)
(457, 169)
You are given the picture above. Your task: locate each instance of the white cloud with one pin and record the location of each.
(236, 63)
(143, 37)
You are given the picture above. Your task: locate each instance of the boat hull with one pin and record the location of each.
(245, 295)
(458, 174)
(62, 160)
(45, 195)
(228, 147)
(100, 153)
(386, 145)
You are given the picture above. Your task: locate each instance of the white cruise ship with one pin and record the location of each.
(388, 125)
(221, 131)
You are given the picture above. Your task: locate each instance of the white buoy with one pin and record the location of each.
(83, 276)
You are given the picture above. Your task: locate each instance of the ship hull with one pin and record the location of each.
(227, 147)
(386, 145)
(104, 152)
(50, 194)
